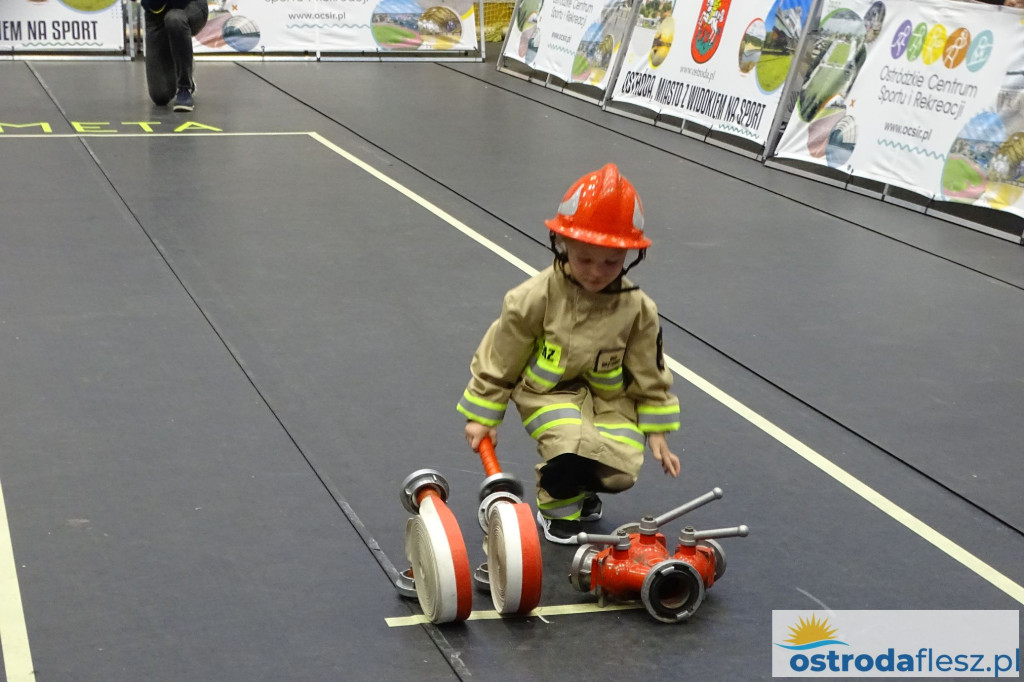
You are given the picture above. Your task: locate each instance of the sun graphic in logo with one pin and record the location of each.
(810, 634)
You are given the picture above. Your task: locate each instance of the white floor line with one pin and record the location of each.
(876, 499)
(865, 491)
(13, 632)
(443, 215)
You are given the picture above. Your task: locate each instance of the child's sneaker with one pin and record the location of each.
(560, 531)
(183, 100)
(591, 508)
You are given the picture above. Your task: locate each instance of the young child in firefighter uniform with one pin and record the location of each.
(578, 349)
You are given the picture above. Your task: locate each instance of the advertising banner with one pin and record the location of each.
(269, 26)
(718, 63)
(61, 26)
(896, 645)
(921, 94)
(575, 40)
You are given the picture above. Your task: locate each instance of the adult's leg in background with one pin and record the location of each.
(181, 25)
(160, 76)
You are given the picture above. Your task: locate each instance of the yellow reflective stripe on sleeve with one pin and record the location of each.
(660, 428)
(543, 377)
(658, 409)
(606, 381)
(658, 418)
(480, 410)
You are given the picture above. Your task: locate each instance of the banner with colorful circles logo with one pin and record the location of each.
(575, 40)
(927, 95)
(719, 63)
(61, 26)
(338, 26)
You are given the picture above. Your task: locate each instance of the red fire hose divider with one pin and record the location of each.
(636, 560)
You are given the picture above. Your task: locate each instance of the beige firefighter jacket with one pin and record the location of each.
(586, 371)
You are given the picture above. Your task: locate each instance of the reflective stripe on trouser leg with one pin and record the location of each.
(560, 509)
(550, 416)
(625, 433)
(615, 463)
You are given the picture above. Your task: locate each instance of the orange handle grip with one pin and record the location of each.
(488, 457)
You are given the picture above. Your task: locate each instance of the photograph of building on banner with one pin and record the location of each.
(289, 26)
(61, 26)
(719, 63)
(574, 40)
(925, 95)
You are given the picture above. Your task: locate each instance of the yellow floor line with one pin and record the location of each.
(540, 612)
(115, 133)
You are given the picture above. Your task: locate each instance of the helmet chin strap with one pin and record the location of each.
(641, 254)
(561, 257)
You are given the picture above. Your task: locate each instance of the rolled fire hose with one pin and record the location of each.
(513, 548)
(440, 563)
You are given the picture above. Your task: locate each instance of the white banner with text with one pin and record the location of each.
(575, 40)
(927, 95)
(719, 63)
(61, 26)
(344, 26)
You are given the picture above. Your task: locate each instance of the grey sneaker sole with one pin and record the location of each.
(554, 538)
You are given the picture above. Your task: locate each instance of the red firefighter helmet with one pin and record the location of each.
(602, 208)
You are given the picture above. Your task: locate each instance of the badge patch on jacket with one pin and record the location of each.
(551, 352)
(607, 360)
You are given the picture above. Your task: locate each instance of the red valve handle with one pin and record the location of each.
(487, 456)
